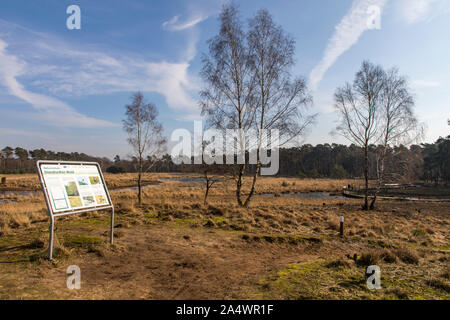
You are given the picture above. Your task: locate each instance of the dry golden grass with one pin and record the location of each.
(31, 181)
(278, 214)
(406, 239)
(21, 181)
(266, 184)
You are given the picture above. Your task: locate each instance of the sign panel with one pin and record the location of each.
(74, 186)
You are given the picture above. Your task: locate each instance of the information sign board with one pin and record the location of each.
(73, 187)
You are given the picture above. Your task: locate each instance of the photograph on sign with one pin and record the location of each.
(73, 186)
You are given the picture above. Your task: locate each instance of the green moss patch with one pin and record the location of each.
(326, 279)
(81, 241)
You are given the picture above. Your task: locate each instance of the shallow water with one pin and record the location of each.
(20, 193)
(185, 179)
(4, 194)
(306, 195)
(27, 193)
(132, 188)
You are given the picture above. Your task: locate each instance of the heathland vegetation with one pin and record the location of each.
(192, 232)
(280, 247)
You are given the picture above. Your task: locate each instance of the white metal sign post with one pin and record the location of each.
(73, 187)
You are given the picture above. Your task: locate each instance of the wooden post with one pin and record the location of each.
(341, 227)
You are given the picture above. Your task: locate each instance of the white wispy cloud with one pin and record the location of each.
(58, 70)
(174, 24)
(414, 11)
(425, 84)
(346, 34)
(196, 11)
(51, 109)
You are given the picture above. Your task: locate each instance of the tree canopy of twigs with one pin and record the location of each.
(377, 108)
(144, 134)
(249, 87)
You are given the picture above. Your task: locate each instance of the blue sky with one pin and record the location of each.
(65, 90)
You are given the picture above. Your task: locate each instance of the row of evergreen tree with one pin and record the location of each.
(427, 162)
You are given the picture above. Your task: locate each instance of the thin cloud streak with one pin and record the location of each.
(347, 34)
(175, 25)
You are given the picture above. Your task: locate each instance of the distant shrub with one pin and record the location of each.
(302, 175)
(313, 173)
(339, 172)
(115, 169)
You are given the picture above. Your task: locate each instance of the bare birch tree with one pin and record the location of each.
(145, 133)
(398, 123)
(358, 106)
(249, 86)
(228, 98)
(280, 100)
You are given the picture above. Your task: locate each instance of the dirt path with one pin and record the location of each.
(159, 261)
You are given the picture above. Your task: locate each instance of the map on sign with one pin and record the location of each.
(74, 187)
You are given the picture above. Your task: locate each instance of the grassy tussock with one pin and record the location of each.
(375, 256)
(175, 200)
(439, 284)
(407, 255)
